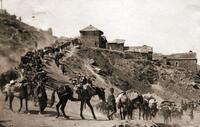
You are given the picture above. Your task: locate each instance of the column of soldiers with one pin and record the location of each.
(31, 69)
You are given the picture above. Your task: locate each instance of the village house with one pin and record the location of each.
(3, 12)
(117, 44)
(138, 52)
(92, 37)
(183, 60)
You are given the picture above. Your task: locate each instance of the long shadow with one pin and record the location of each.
(88, 119)
(166, 125)
(79, 119)
(48, 113)
(33, 111)
(102, 120)
(3, 122)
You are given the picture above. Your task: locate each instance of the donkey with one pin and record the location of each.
(85, 96)
(136, 103)
(65, 93)
(19, 90)
(123, 102)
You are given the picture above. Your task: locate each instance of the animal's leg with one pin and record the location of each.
(124, 114)
(167, 120)
(131, 115)
(1, 88)
(143, 114)
(147, 115)
(164, 120)
(63, 108)
(91, 108)
(26, 103)
(21, 104)
(11, 97)
(170, 117)
(139, 113)
(6, 97)
(120, 111)
(57, 108)
(150, 116)
(81, 109)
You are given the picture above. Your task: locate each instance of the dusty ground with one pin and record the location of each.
(48, 119)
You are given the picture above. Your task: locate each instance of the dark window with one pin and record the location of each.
(176, 64)
(168, 63)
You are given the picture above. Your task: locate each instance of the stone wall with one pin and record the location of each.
(90, 41)
(138, 55)
(189, 64)
(115, 46)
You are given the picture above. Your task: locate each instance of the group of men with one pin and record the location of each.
(31, 70)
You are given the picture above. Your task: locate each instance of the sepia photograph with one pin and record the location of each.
(99, 63)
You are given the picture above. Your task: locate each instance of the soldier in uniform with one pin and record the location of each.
(111, 104)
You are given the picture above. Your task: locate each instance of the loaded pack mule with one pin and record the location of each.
(20, 90)
(65, 93)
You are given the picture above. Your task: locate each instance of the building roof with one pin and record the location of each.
(90, 28)
(141, 49)
(189, 55)
(117, 41)
(158, 56)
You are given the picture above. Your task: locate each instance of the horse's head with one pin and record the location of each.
(139, 100)
(100, 93)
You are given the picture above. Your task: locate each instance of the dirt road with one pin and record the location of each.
(48, 119)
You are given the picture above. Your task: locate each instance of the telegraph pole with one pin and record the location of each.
(1, 4)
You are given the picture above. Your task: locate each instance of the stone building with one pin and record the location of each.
(184, 60)
(92, 37)
(139, 52)
(117, 44)
(3, 12)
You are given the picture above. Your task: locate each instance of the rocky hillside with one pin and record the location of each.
(112, 69)
(16, 38)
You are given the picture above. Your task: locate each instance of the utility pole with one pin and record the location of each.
(1, 4)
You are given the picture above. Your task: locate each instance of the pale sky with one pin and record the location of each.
(169, 26)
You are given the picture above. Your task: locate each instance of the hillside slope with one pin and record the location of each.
(111, 69)
(141, 75)
(16, 38)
